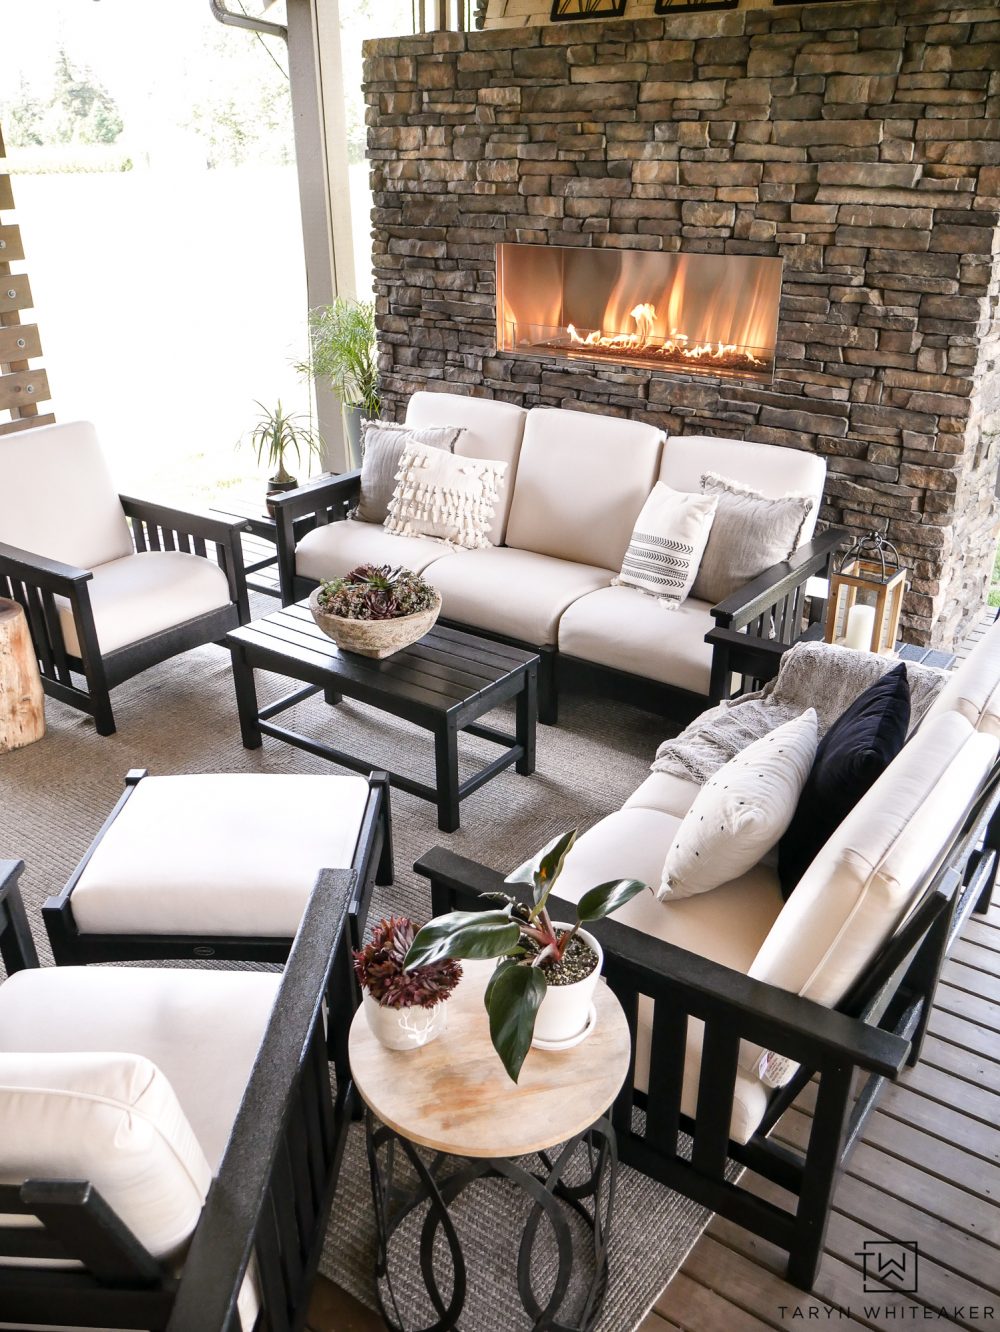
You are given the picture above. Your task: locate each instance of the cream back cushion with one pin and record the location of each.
(581, 482)
(57, 498)
(868, 875)
(768, 468)
(112, 1119)
(974, 688)
(491, 430)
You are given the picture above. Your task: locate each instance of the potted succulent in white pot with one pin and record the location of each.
(542, 989)
(404, 1008)
(375, 610)
(342, 354)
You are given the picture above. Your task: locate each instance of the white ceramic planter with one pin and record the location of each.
(404, 1028)
(565, 1012)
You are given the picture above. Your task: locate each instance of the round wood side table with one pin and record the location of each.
(454, 1098)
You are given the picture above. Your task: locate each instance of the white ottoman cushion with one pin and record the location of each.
(220, 853)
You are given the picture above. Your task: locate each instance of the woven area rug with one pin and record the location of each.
(181, 717)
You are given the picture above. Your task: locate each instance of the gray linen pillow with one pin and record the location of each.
(750, 533)
(382, 445)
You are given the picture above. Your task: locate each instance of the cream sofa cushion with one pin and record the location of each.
(666, 792)
(336, 548)
(974, 688)
(622, 628)
(581, 481)
(112, 1119)
(228, 874)
(144, 594)
(58, 499)
(768, 468)
(727, 926)
(202, 1029)
(512, 592)
(741, 811)
(868, 875)
(493, 430)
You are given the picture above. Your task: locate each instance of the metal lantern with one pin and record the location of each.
(866, 596)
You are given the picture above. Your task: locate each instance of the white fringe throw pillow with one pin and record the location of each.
(667, 543)
(443, 496)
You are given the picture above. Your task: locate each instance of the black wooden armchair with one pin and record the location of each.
(110, 585)
(848, 1052)
(266, 1209)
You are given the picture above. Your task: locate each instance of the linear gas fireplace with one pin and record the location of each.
(708, 314)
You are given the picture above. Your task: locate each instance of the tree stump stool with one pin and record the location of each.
(22, 703)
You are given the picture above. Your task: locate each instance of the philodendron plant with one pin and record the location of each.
(523, 935)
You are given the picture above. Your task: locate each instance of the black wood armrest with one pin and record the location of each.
(28, 567)
(315, 495)
(17, 947)
(776, 1019)
(238, 1201)
(210, 527)
(759, 595)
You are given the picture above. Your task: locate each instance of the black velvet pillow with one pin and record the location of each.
(855, 751)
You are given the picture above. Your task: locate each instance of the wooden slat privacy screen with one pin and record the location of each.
(21, 387)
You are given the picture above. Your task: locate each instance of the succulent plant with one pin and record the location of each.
(376, 592)
(379, 967)
(523, 935)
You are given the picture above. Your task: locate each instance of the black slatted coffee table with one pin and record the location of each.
(444, 683)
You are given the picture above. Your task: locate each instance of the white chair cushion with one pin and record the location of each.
(202, 1029)
(512, 592)
(974, 688)
(621, 628)
(337, 548)
(58, 499)
(112, 1119)
(742, 811)
(493, 430)
(144, 594)
(865, 879)
(666, 792)
(726, 925)
(772, 470)
(581, 481)
(228, 874)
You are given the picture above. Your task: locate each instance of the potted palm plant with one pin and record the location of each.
(542, 989)
(277, 435)
(342, 354)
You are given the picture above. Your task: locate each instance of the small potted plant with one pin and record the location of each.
(542, 990)
(342, 352)
(276, 435)
(375, 610)
(404, 1008)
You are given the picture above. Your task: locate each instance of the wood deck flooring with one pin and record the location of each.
(926, 1170)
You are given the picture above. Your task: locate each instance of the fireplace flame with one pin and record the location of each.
(678, 343)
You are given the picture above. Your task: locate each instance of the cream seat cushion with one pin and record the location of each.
(228, 874)
(492, 430)
(581, 481)
(141, 595)
(666, 792)
(974, 688)
(770, 469)
(337, 548)
(58, 499)
(513, 592)
(867, 877)
(202, 1029)
(726, 925)
(112, 1119)
(621, 628)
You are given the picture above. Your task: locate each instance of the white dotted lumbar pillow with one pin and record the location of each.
(742, 811)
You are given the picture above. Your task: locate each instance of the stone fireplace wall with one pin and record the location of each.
(860, 142)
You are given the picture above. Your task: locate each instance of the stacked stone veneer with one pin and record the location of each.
(861, 142)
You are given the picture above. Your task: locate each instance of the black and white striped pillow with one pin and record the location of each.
(667, 543)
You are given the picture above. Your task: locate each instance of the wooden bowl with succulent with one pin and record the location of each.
(375, 610)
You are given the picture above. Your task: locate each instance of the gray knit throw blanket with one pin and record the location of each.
(811, 675)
